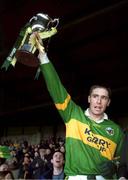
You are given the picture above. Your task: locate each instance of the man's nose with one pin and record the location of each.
(99, 99)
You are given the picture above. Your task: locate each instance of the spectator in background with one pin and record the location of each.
(57, 170)
(37, 166)
(25, 170)
(5, 172)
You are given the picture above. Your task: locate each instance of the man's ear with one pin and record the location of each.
(109, 101)
(52, 161)
(88, 99)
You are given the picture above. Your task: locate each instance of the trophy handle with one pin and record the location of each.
(55, 22)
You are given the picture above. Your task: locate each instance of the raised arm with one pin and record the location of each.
(60, 96)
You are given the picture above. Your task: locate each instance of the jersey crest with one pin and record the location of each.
(110, 131)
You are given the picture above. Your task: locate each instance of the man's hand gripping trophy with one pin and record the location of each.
(36, 40)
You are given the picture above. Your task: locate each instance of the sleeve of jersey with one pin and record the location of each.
(60, 96)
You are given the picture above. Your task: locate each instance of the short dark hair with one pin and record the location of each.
(101, 86)
(59, 152)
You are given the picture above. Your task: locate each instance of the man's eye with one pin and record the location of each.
(94, 95)
(105, 97)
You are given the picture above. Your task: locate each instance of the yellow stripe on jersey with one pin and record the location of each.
(83, 132)
(63, 106)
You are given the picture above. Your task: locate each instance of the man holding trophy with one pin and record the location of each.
(93, 142)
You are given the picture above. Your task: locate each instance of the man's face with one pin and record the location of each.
(58, 159)
(98, 100)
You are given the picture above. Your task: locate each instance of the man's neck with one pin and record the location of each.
(96, 118)
(57, 171)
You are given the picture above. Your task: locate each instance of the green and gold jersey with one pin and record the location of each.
(88, 144)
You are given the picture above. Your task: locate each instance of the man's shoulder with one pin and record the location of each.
(114, 124)
(47, 174)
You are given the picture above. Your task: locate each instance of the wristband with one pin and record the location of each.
(43, 58)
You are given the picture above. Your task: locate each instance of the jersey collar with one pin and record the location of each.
(105, 116)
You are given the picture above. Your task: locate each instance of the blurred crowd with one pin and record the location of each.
(28, 161)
